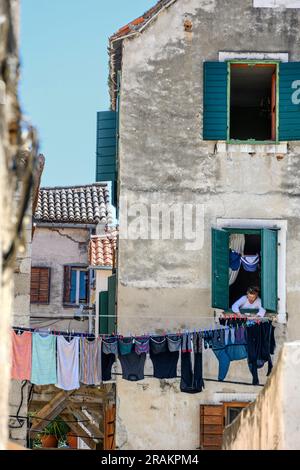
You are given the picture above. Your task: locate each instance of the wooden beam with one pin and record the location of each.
(79, 431)
(81, 416)
(50, 411)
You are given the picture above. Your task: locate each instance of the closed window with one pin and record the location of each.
(251, 101)
(40, 286)
(76, 285)
(213, 419)
(260, 245)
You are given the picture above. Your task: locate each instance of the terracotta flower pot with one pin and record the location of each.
(72, 440)
(49, 441)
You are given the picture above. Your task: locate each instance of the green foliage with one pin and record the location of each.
(57, 428)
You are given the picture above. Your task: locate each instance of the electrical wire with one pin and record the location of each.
(17, 417)
(50, 420)
(207, 380)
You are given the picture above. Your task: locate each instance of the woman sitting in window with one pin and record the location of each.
(250, 301)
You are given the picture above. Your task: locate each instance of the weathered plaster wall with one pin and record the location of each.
(163, 159)
(55, 248)
(272, 422)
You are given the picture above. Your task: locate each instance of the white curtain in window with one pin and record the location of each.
(236, 243)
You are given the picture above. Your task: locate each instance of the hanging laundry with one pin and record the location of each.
(21, 355)
(43, 359)
(234, 260)
(163, 359)
(186, 346)
(260, 345)
(191, 364)
(90, 361)
(250, 263)
(132, 364)
(68, 363)
(225, 353)
(142, 345)
(110, 346)
(108, 357)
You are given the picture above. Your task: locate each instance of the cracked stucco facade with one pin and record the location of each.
(53, 248)
(162, 158)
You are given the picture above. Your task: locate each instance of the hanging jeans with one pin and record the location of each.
(231, 352)
(191, 380)
(227, 349)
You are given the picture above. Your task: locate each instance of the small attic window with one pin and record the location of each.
(253, 108)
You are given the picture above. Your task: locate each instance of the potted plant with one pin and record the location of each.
(54, 432)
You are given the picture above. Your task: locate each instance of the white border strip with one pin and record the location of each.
(280, 56)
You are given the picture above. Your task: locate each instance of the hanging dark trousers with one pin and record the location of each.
(260, 346)
(192, 373)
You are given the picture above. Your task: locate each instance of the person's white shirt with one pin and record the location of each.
(243, 302)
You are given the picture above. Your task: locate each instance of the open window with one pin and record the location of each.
(257, 265)
(253, 102)
(76, 286)
(245, 101)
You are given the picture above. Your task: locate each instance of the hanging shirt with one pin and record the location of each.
(90, 361)
(21, 355)
(67, 363)
(163, 359)
(133, 365)
(243, 302)
(43, 359)
(250, 263)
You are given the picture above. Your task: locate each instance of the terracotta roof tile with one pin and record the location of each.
(102, 249)
(76, 204)
(133, 25)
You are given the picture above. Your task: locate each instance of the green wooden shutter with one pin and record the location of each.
(220, 269)
(215, 101)
(289, 101)
(112, 284)
(269, 288)
(106, 146)
(103, 313)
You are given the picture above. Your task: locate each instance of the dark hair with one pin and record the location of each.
(253, 290)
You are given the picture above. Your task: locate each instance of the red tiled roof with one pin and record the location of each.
(102, 249)
(135, 24)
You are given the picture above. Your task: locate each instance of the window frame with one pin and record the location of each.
(235, 404)
(247, 231)
(252, 62)
(78, 270)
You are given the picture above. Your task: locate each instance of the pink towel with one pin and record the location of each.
(21, 356)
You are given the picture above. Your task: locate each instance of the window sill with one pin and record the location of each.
(259, 148)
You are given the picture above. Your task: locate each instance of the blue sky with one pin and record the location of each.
(64, 78)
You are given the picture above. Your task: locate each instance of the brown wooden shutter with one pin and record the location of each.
(67, 284)
(40, 286)
(109, 427)
(211, 427)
